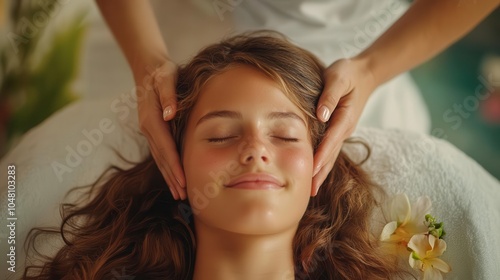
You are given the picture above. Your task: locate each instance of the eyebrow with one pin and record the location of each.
(285, 115)
(237, 115)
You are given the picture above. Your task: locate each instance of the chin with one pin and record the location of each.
(256, 213)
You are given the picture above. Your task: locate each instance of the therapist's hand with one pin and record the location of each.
(156, 105)
(348, 84)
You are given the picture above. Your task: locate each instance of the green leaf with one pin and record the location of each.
(48, 86)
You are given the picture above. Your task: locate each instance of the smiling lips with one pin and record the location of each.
(255, 181)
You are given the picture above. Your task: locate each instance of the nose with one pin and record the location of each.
(254, 151)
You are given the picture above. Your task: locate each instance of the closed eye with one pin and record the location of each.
(287, 139)
(220, 140)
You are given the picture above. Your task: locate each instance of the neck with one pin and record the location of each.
(225, 255)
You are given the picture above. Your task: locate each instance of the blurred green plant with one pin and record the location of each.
(36, 82)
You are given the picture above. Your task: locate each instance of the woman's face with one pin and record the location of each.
(247, 155)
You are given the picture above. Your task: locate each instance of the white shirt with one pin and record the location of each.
(328, 28)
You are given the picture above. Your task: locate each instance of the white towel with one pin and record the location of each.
(464, 195)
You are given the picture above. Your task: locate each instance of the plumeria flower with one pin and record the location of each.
(425, 256)
(406, 220)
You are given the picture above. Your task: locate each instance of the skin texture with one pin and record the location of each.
(254, 228)
(426, 29)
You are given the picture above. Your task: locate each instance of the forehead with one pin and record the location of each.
(242, 84)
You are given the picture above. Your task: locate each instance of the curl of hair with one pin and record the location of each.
(131, 224)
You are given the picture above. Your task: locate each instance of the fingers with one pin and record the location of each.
(320, 177)
(334, 136)
(341, 102)
(164, 79)
(164, 152)
(335, 88)
(324, 159)
(178, 192)
(339, 129)
(158, 133)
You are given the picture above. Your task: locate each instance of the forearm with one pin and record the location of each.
(428, 27)
(134, 26)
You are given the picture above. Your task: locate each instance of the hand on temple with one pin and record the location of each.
(156, 105)
(424, 30)
(348, 84)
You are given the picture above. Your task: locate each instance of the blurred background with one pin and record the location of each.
(461, 88)
(54, 52)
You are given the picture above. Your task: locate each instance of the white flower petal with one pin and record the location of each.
(420, 208)
(432, 274)
(420, 244)
(416, 228)
(400, 208)
(432, 241)
(440, 264)
(438, 247)
(388, 230)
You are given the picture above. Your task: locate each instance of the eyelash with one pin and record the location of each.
(224, 139)
(288, 139)
(219, 140)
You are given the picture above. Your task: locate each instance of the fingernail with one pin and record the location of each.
(324, 113)
(167, 112)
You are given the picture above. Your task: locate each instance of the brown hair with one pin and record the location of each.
(132, 224)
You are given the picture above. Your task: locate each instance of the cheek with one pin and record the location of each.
(204, 166)
(298, 165)
(300, 161)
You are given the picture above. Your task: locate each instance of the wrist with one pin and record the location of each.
(368, 69)
(145, 66)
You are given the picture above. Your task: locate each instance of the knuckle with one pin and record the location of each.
(331, 99)
(343, 83)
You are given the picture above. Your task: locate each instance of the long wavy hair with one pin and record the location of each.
(131, 225)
